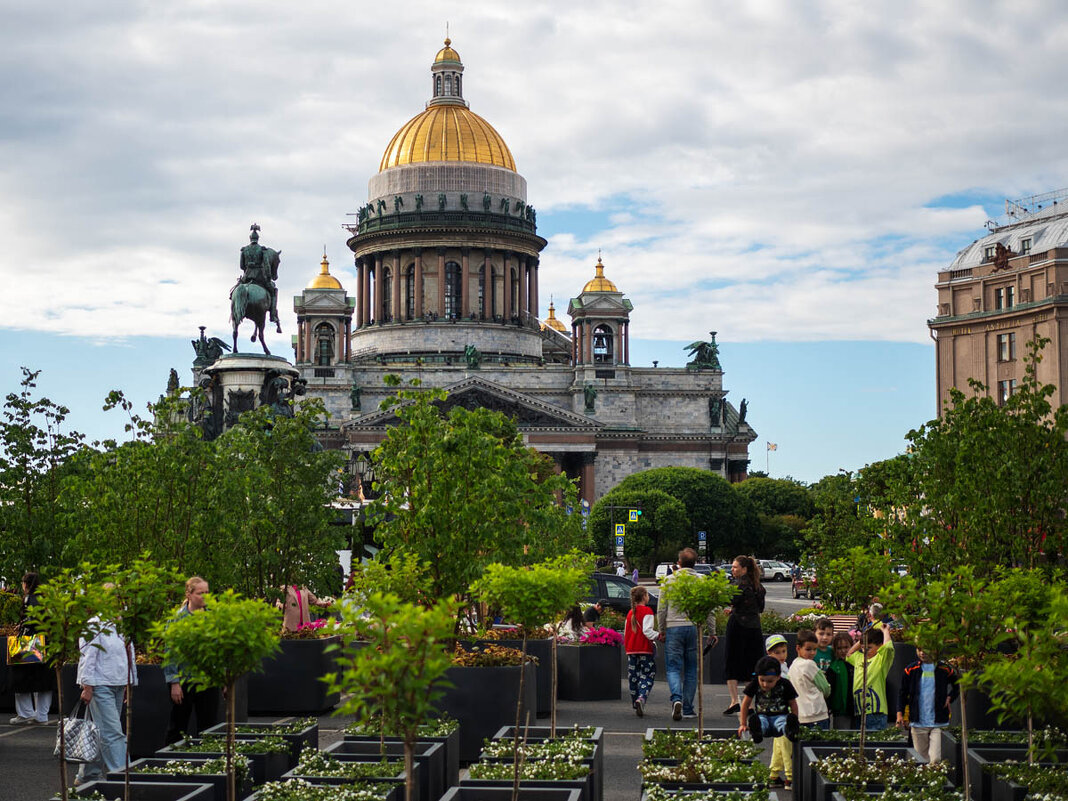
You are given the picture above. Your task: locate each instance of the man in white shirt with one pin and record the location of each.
(102, 671)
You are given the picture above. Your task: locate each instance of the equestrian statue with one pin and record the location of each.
(255, 296)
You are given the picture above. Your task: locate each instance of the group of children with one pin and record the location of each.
(826, 682)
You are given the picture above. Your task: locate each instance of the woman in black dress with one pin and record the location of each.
(32, 684)
(745, 640)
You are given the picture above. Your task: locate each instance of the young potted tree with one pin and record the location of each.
(395, 680)
(230, 638)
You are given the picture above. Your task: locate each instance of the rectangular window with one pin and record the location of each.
(999, 298)
(1025, 246)
(1005, 390)
(1010, 297)
(1004, 297)
(989, 252)
(1006, 347)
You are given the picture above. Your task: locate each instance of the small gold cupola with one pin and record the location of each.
(324, 280)
(599, 283)
(552, 322)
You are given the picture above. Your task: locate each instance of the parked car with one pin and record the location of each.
(703, 568)
(774, 571)
(614, 589)
(804, 586)
(663, 569)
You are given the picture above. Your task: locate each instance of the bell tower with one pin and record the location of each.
(600, 323)
(324, 322)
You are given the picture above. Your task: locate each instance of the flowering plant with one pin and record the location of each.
(600, 635)
(1036, 778)
(550, 749)
(297, 790)
(656, 792)
(316, 629)
(909, 794)
(185, 767)
(293, 727)
(883, 768)
(435, 727)
(217, 745)
(314, 762)
(556, 768)
(683, 744)
(707, 771)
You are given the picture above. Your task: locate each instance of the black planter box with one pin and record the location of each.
(450, 748)
(526, 793)
(583, 786)
(291, 680)
(395, 793)
(836, 745)
(7, 697)
(678, 792)
(429, 759)
(148, 791)
(987, 787)
(265, 767)
(397, 781)
(951, 751)
(483, 699)
(808, 777)
(307, 737)
(540, 734)
(543, 651)
(588, 673)
(595, 763)
(217, 781)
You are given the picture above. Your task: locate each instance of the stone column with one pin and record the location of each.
(523, 307)
(465, 281)
(361, 292)
(300, 339)
(535, 306)
(395, 311)
(626, 342)
(487, 283)
(365, 293)
(441, 283)
(507, 286)
(348, 340)
(418, 283)
(587, 342)
(376, 315)
(586, 482)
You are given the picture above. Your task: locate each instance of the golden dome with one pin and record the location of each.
(552, 322)
(447, 133)
(324, 280)
(446, 53)
(599, 283)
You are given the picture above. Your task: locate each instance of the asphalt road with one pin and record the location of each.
(778, 599)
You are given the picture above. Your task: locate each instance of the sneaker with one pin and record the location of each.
(756, 730)
(639, 706)
(793, 727)
(18, 720)
(776, 781)
(787, 784)
(689, 715)
(733, 709)
(676, 710)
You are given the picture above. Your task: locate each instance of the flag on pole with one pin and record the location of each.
(772, 446)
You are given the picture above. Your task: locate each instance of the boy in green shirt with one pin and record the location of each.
(879, 659)
(824, 638)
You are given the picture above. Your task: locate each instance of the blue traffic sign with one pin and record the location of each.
(619, 541)
(701, 536)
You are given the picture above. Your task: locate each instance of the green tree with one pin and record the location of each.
(853, 579)
(71, 607)
(460, 490)
(395, 681)
(698, 598)
(841, 521)
(35, 453)
(984, 484)
(660, 532)
(215, 648)
(959, 617)
(711, 504)
(784, 507)
(533, 596)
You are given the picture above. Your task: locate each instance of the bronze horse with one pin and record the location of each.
(251, 301)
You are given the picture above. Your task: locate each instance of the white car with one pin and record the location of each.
(774, 571)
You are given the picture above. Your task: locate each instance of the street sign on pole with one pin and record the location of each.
(619, 542)
(633, 518)
(621, 530)
(702, 542)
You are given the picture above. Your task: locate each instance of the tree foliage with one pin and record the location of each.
(854, 578)
(460, 490)
(35, 453)
(711, 504)
(660, 532)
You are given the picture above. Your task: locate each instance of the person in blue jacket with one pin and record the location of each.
(927, 690)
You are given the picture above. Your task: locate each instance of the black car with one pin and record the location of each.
(614, 589)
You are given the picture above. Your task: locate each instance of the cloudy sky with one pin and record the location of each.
(790, 174)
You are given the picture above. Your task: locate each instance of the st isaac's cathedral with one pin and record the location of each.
(446, 260)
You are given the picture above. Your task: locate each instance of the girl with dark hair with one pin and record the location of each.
(745, 640)
(639, 636)
(32, 684)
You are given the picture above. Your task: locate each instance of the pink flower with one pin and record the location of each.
(600, 635)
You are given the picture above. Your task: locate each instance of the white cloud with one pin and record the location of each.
(769, 166)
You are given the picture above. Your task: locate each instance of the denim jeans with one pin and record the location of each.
(680, 657)
(875, 721)
(106, 709)
(822, 725)
(773, 725)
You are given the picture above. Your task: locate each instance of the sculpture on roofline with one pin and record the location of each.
(704, 355)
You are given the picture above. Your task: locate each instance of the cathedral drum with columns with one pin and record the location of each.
(446, 290)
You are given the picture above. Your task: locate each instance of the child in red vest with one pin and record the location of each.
(639, 638)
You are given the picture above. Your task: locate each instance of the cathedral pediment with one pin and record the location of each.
(478, 393)
(325, 300)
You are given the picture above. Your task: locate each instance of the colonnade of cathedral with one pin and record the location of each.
(388, 294)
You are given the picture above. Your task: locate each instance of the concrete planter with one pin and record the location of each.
(542, 650)
(217, 781)
(397, 781)
(265, 767)
(429, 759)
(483, 699)
(298, 741)
(450, 751)
(148, 791)
(291, 681)
(396, 792)
(582, 786)
(526, 793)
(807, 780)
(986, 786)
(588, 673)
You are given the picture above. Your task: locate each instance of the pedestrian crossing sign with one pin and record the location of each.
(621, 530)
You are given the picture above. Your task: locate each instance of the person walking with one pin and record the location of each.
(745, 640)
(187, 699)
(102, 672)
(681, 650)
(31, 684)
(639, 640)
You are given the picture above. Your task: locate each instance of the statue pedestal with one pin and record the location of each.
(240, 382)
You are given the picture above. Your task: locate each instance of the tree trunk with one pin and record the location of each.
(864, 707)
(231, 713)
(1030, 736)
(409, 769)
(552, 699)
(129, 721)
(62, 736)
(518, 707)
(964, 741)
(700, 681)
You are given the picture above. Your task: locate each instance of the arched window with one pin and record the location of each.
(459, 93)
(387, 294)
(437, 86)
(324, 344)
(448, 84)
(409, 292)
(453, 293)
(481, 307)
(602, 344)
